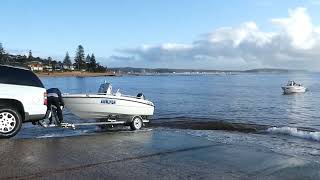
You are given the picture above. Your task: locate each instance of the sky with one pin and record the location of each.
(201, 34)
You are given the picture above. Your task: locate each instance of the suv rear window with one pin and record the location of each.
(16, 76)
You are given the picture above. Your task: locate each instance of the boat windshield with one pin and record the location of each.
(105, 88)
(291, 83)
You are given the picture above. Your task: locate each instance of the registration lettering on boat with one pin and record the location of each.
(108, 101)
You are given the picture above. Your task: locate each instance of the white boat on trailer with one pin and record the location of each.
(109, 108)
(105, 103)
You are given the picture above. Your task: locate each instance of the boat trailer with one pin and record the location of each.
(110, 123)
(74, 125)
(135, 122)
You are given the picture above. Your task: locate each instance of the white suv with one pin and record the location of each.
(23, 98)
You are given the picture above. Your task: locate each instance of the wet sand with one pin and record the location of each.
(159, 153)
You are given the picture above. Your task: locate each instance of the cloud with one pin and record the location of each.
(295, 44)
(298, 27)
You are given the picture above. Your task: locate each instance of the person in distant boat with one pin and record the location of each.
(55, 98)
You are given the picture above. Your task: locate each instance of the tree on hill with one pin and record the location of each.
(60, 65)
(67, 60)
(1, 49)
(81, 61)
(100, 68)
(79, 58)
(49, 61)
(30, 57)
(2, 54)
(93, 61)
(88, 59)
(54, 64)
(92, 66)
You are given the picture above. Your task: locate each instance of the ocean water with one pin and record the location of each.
(245, 98)
(292, 122)
(253, 99)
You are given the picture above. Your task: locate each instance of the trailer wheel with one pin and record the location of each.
(10, 122)
(136, 123)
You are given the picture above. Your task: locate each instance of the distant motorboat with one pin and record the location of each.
(293, 87)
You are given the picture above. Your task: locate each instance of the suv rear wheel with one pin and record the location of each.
(10, 122)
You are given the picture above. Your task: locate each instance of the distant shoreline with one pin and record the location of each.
(74, 74)
(132, 70)
(128, 71)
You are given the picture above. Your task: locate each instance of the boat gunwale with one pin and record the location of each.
(116, 98)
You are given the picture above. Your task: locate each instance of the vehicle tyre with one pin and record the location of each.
(136, 123)
(10, 122)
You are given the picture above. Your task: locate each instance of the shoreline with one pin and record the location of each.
(74, 74)
(158, 153)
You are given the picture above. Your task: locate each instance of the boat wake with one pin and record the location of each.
(292, 131)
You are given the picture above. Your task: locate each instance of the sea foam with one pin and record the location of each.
(315, 136)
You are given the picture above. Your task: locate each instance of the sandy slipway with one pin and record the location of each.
(157, 153)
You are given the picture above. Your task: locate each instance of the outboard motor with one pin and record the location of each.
(141, 96)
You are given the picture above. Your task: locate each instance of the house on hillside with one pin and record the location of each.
(47, 68)
(35, 66)
(70, 68)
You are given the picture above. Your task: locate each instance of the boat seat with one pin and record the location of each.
(140, 96)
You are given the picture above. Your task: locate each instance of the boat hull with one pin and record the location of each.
(290, 89)
(104, 106)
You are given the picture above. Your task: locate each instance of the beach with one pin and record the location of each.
(160, 90)
(204, 127)
(152, 153)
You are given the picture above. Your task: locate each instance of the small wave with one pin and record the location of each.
(311, 135)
